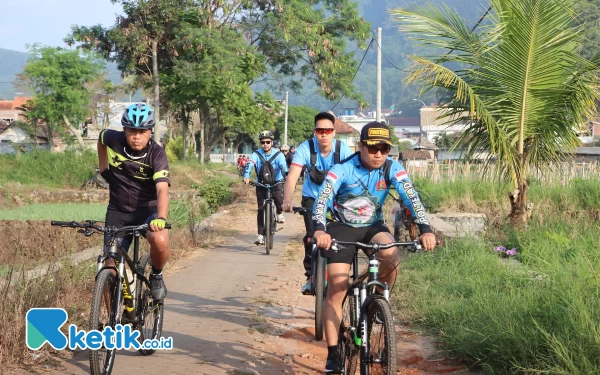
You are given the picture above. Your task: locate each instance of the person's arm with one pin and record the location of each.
(327, 193)
(290, 186)
(102, 153)
(162, 197)
(411, 199)
(251, 162)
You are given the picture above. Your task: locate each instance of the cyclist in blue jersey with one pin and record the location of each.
(280, 169)
(355, 192)
(137, 171)
(323, 151)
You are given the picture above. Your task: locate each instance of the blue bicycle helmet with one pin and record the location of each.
(138, 116)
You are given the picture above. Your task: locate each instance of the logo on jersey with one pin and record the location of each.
(381, 186)
(401, 175)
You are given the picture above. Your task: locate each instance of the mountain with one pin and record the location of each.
(11, 64)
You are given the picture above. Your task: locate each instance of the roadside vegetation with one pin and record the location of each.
(533, 312)
(30, 240)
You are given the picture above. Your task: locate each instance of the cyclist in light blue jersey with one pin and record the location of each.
(279, 167)
(318, 155)
(355, 191)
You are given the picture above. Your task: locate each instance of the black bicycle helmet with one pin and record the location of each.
(265, 134)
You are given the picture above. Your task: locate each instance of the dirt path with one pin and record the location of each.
(234, 310)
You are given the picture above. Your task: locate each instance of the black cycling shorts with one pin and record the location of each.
(116, 218)
(343, 232)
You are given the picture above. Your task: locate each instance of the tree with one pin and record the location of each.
(521, 82)
(139, 42)
(301, 122)
(58, 77)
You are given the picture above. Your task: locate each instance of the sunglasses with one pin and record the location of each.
(375, 149)
(324, 130)
(265, 142)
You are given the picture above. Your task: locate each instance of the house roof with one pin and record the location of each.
(415, 155)
(6, 105)
(343, 128)
(19, 101)
(403, 121)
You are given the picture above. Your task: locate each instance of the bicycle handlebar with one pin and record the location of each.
(301, 210)
(411, 246)
(90, 224)
(254, 183)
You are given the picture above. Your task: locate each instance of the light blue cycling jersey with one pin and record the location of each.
(279, 165)
(302, 159)
(356, 195)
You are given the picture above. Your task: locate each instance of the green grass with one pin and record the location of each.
(56, 211)
(538, 315)
(52, 170)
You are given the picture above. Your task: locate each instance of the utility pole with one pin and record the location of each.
(420, 122)
(286, 118)
(378, 117)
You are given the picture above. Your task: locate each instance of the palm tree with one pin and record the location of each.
(520, 83)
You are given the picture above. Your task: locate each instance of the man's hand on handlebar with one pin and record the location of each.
(286, 206)
(246, 181)
(322, 239)
(428, 240)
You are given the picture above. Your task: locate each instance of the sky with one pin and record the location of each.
(49, 21)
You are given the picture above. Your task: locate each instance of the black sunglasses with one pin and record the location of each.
(265, 142)
(375, 149)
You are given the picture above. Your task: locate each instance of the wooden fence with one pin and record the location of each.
(454, 170)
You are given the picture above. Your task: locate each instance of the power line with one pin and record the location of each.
(388, 60)
(477, 24)
(356, 72)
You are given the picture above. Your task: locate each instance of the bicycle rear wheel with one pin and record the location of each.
(268, 214)
(382, 338)
(101, 316)
(150, 311)
(319, 295)
(347, 349)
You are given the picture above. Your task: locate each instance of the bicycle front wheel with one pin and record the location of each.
(381, 358)
(150, 311)
(101, 316)
(347, 349)
(268, 222)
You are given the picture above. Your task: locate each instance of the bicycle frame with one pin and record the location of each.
(122, 284)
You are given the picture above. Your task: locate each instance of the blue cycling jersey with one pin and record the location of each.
(302, 159)
(356, 195)
(279, 165)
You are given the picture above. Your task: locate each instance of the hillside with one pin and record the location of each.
(11, 64)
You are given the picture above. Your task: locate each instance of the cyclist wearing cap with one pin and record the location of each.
(356, 191)
(325, 147)
(279, 169)
(137, 171)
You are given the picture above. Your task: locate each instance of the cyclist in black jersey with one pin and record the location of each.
(137, 171)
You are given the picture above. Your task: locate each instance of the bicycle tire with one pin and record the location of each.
(319, 296)
(347, 349)
(268, 216)
(273, 224)
(102, 360)
(153, 320)
(381, 358)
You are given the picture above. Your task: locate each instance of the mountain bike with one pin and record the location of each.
(367, 335)
(318, 279)
(121, 281)
(270, 213)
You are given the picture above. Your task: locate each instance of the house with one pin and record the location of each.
(432, 125)
(416, 158)
(346, 133)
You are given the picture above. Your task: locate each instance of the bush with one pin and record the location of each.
(175, 149)
(216, 192)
